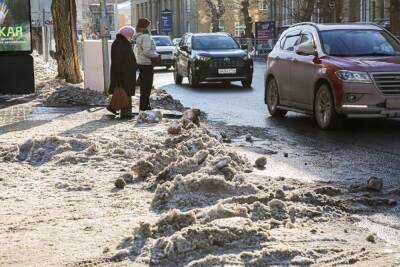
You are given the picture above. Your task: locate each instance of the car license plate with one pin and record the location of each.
(226, 71)
(166, 56)
(393, 103)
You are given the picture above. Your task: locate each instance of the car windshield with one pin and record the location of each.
(162, 41)
(214, 42)
(353, 43)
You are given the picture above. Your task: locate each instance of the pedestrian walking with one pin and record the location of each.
(123, 71)
(146, 55)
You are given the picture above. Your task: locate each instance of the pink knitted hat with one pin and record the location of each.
(127, 31)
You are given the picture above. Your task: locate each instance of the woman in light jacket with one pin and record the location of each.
(145, 50)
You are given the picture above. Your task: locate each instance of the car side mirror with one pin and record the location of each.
(306, 49)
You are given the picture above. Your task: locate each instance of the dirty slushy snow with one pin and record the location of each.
(187, 199)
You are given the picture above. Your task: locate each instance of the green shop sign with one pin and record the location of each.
(15, 26)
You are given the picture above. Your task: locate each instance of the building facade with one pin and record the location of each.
(184, 15)
(286, 12)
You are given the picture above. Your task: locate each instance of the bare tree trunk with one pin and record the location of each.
(302, 10)
(308, 10)
(395, 17)
(248, 21)
(64, 19)
(217, 11)
(354, 11)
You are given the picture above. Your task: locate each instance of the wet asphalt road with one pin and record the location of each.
(363, 148)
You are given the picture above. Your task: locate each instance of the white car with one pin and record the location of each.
(166, 49)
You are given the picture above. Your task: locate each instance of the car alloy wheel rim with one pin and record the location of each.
(324, 107)
(272, 95)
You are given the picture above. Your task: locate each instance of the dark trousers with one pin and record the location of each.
(127, 112)
(146, 76)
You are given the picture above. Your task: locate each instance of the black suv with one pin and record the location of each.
(212, 57)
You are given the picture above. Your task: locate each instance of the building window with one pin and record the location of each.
(188, 6)
(220, 25)
(263, 4)
(239, 29)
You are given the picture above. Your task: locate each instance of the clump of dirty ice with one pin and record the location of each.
(161, 99)
(211, 214)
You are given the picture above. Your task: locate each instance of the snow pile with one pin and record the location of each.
(44, 72)
(194, 150)
(161, 99)
(212, 215)
(62, 94)
(67, 150)
(40, 151)
(197, 190)
(152, 116)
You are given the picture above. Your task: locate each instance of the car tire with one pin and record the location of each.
(177, 77)
(272, 94)
(193, 81)
(324, 109)
(247, 83)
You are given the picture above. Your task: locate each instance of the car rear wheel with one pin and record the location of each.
(177, 77)
(324, 109)
(193, 82)
(273, 100)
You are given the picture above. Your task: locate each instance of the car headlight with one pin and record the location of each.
(203, 58)
(353, 76)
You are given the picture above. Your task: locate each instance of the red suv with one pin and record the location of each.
(334, 71)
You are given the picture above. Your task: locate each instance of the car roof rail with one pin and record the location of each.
(368, 23)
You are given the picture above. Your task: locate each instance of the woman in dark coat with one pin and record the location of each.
(123, 67)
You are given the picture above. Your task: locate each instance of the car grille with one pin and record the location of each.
(388, 83)
(225, 63)
(165, 52)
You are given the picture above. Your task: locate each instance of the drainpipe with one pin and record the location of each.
(104, 39)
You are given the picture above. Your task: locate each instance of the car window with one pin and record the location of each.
(162, 41)
(214, 42)
(188, 42)
(307, 37)
(290, 42)
(348, 43)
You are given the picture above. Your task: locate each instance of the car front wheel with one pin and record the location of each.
(247, 83)
(273, 100)
(324, 109)
(193, 82)
(177, 77)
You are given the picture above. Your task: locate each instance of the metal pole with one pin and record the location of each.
(116, 19)
(104, 30)
(45, 38)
